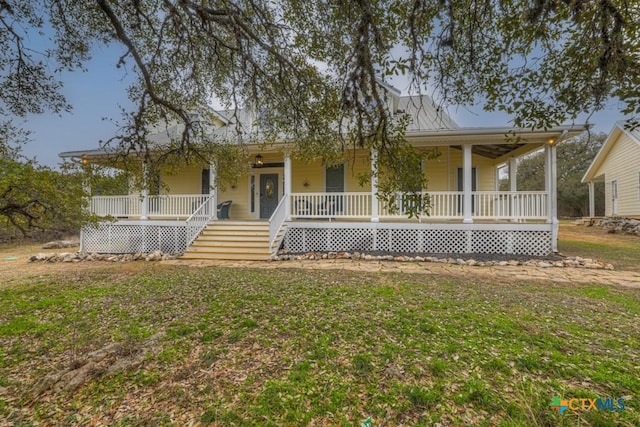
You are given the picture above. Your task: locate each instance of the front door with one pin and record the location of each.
(268, 194)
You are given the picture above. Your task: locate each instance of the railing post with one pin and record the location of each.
(374, 186)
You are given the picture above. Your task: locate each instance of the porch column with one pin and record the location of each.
(213, 189)
(513, 187)
(287, 186)
(466, 189)
(513, 174)
(554, 196)
(374, 186)
(144, 209)
(592, 199)
(547, 180)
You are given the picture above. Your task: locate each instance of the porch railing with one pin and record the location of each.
(118, 206)
(276, 220)
(163, 206)
(510, 204)
(331, 205)
(516, 205)
(199, 219)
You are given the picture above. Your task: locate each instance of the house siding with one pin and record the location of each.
(357, 165)
(312, 173)
(441, 172)
(622, 164)
(186, 181)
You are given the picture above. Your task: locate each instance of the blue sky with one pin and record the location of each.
(98, 93)
(94, 94)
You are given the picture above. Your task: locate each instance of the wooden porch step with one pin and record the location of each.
(235, 233)
(227, 225)
(214, 243)
(229, 249)
(234, 237)
(226, 256)
(232, 240)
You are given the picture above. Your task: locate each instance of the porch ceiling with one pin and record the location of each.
(492, 151)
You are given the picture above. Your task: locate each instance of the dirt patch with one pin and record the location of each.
(15, 268)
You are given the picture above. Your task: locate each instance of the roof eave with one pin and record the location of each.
(614, 133)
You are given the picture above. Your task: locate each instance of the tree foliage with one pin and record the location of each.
(574, 157)
(35, 198)
(310, 70)
(38, 201)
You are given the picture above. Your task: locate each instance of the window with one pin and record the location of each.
(252, 193)
(334, 179)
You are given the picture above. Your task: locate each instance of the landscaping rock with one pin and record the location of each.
(620, 225)
(81, 257)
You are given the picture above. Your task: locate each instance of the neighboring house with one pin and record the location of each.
(285, 203)
(617, 164)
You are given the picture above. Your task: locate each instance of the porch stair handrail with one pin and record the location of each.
(199, 219)
(277, 219)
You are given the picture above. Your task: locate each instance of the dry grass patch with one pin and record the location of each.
(623, 251)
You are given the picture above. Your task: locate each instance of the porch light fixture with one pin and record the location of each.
(258, 163)
(551, 141)
(83, 160)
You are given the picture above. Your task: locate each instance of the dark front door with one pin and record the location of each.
(268, 194)
(205, 182)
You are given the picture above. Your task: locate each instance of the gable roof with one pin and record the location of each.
(428, 124)
(614, 135)
(425, 114)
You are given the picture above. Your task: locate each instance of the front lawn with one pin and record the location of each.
(175, 345)
(621, 250)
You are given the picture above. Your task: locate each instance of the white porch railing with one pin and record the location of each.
(118, 206)
(510, 204)
(518, 205)
(175, 205)
(277, 219)
(163, 206)
(331, 205)
(199, 219)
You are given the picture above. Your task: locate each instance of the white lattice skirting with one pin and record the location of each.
(517, 239)
(135, 237)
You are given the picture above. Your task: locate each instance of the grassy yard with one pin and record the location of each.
(174, 345)
(623, 251)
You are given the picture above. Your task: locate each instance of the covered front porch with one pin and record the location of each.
(304, 203)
